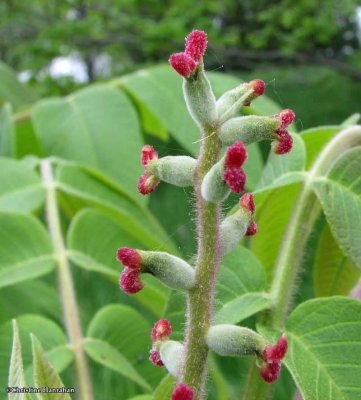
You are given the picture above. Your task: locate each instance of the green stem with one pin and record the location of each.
(65, 282)
(289, 259)
(201, 297)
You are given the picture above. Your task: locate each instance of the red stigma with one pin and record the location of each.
(247, 201)
(235, 179)
(183, 63)
(147, 183)
(236, 155)
(258, 86)
(286, 117)
(277, 352)
(270, 371)
(162, 329)
(148, 154)
(129, 281)
(252, 229)
(129, 257)
(196, 44)
(284, 143)
(182, 392)
(154, 358)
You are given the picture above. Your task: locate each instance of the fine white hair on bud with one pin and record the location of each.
(171, 353)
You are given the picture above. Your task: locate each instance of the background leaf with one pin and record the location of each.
(25, 251)
(324, 337)
(6, 131)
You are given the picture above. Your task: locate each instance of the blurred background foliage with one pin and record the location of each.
(296, 47)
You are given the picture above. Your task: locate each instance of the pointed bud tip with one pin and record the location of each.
(155, 359)
(147, 183)
(182, 63)
(129, 257)
(196, 44)
(236, 155)
(129, 281)
(286, 117)
(270, 371)
(247, 201)
(162, 329)
(182, 392)
(252, 229)
(284, 143)
(235, 179)
(148, 154)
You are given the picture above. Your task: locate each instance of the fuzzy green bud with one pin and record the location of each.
(214, 188)
(176, 170)
(171, 270)
(249, 129)
(233, 229)
(231, 340)
(200, 99)
(171, 353)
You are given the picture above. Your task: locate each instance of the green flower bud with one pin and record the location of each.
(249, 129)
(176, 170)
(233, 229)
(231, 340)
(200, 100)
(171, 353)
(171, 270)
(214, 188)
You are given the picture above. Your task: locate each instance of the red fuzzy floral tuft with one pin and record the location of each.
(284, 143)
(129, 281)
(148, 154)
(155, 358)
(196, 44)
(162, 329)
(286, 117)
(182, 392)
(277, 352)
(258, 86)
(147, 183)
(235, 179)
(270, 371)
(129, 257)
(247, 201)
(182, 63)
(236, 155)
(252, 229)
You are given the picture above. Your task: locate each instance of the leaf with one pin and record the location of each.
(12, 90)
(50, 334)
(107, 355)
(324, 337)
(340, 196)
(285, 169)
(125, 329)
(96, 251)
(84, 186)
(96, 126)
(334, 274)
(26, 142)
(20, 186)
(240, 287)
(142, 397)
(16, 371)
(351, 120)
(6, 131)
(25, 251)
(165, 388)
(44, 373)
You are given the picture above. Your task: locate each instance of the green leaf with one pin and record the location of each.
(98, 127)
(125, 329)
(240, 287)
(165, 388)
(16, 371)
(142, 397)
(26, 142)
(51, 336)
(6, 131)
(84, 186)
(340, 196)
(324, 338)
(351, 120)
(12, 90)
(25, 251)
(20, 186)
(107, 355)
(334, 274)
(96, 251)
(285, 169)
(44, 373)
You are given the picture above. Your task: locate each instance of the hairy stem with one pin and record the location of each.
(201, 297)
(65, 283)
(289, 259)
